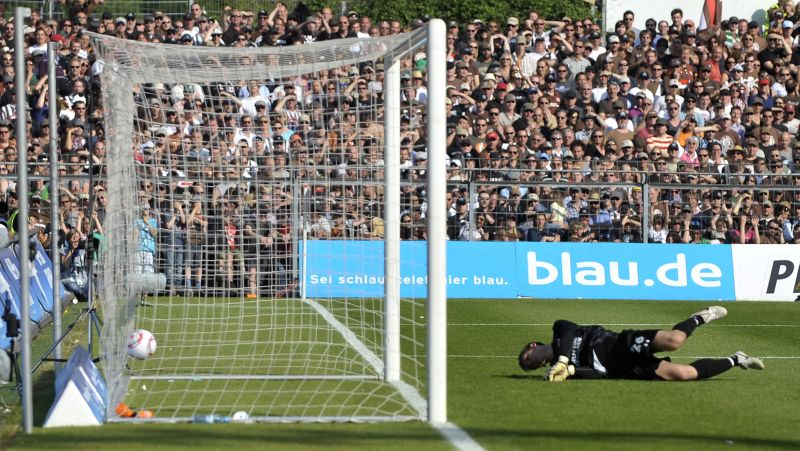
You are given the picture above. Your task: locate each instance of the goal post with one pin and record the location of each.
(268, 185)
(437, 222)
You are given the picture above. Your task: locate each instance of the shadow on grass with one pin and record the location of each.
(598, 439)
(44, 392)
(540, 377)
(230, 436)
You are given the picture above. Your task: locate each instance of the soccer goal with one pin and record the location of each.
(268, 185)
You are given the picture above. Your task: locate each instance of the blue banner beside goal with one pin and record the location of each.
(40, 297)
(538, 270)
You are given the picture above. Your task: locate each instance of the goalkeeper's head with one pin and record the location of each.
(534, 355)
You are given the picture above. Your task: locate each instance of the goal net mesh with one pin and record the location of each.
(252, 179)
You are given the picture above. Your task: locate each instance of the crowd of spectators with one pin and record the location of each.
(555, 132)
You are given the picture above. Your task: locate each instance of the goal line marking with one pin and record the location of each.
(450, 431)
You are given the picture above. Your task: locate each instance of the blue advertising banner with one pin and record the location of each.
(36, 288)
(81, 393)
(42, 277)
(350, 268)
(538, 270)
(8, 301)
(625, 271)
(10, 266)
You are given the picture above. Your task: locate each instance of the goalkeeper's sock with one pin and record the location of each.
(688, 326)
(711, 367)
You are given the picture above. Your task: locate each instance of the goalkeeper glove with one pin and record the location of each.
(561, 370)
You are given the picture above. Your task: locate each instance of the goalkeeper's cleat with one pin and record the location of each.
(747, 362)
(712, 313)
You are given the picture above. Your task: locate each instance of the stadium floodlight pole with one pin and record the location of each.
(54, 196)
(392, 221)
(437, 224)
(22, 231)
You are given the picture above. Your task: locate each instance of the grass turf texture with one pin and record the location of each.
(503, 408)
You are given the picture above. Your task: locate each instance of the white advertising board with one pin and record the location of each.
(767, 272)
(692, 9)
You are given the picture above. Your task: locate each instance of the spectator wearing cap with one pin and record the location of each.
(709, 76)
(763, 93)
(613, 54)
(508, 114)
(75, 140)
(313, 28)
(660, 140)
(523, 61)
(537, 53)
(590, 124)
(130, 24)
(613, 103)
(623, 130)
(247, 19)
(418, 81)
(641, 105)
(791, 122)
(725, 134)
(787, 28)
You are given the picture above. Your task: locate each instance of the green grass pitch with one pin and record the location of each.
(503, 408)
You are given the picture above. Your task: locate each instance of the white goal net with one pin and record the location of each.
(258, 182)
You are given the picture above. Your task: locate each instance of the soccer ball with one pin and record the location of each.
(141, 344)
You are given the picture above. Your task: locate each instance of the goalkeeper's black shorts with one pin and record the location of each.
(632, 357)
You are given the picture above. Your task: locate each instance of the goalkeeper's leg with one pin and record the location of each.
(706, 368)
(670, 340)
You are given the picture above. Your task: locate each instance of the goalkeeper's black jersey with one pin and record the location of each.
(588, 347)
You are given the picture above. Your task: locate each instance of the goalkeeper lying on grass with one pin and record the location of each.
(592, 352)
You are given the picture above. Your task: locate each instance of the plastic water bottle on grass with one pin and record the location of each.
(210, 418)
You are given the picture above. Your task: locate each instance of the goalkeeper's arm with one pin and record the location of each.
(562, 370)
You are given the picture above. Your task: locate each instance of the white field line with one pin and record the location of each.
(486, 356)
(457, 437)
(609, 324)
(450, 431)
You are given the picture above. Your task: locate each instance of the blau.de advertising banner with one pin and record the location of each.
(625, 271)
(537, 270)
